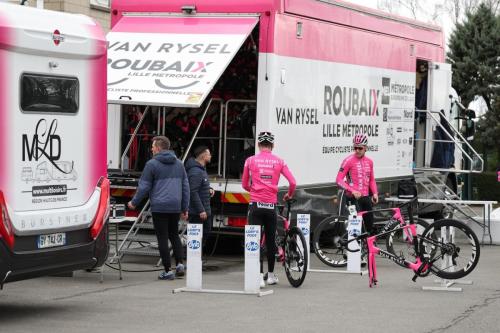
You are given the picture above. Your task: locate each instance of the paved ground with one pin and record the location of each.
(325, 303)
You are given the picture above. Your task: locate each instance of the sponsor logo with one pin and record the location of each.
(265, 205)
(252, 246)
(57, 37)
(354, 233)
(398, 260)
(386, 90)
(305, 231)
(40, 191)
(351, 101)
(194, 244)
(45, 143)
(408, 114)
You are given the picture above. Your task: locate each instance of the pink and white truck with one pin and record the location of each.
(313, 72)
(54, 192)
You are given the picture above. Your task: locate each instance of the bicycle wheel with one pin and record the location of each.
(451, 247)
(295, 257)
(326, 242)
(398, 242)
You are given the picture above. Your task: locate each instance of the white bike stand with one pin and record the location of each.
(252, 263)
(446, 285)
(304, 224)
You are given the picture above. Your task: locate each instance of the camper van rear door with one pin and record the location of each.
(171, 61)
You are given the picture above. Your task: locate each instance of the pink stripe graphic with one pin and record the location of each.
(340, 44)
(5, 42)
(97, 94)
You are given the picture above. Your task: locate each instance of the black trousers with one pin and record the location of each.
(167, 227)
(267, 218)
(362, 204)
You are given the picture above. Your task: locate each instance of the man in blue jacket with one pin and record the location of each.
(165, 181)
(201, 192)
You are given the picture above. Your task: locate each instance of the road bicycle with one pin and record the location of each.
(447, 248)
(291, 246)
(330, 236)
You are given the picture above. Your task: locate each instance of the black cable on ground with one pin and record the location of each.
(134, 271)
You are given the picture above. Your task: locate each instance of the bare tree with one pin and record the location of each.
(387, 6)
(413, 6)
(458, 8)
(494, 5)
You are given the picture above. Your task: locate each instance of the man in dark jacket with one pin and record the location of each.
(199, 208)
(165, 181)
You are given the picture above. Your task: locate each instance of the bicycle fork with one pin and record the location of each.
(372, 264)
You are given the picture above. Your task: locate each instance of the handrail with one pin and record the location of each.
(452, 138)
(186, 153)
(219, 158)
(225, 127)
(132, 138)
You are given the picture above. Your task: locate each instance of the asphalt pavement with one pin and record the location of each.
(326, 302)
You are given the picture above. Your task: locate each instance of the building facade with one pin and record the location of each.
(97, 9)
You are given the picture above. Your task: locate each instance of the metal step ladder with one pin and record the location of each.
(137, 243)
(432, 185)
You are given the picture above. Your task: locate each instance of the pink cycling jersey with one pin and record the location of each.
(359, 172)
(261, 175)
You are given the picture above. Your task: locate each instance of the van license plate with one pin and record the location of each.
(51, 240)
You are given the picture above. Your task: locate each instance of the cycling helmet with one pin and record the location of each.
(360, 140)
(265, 137)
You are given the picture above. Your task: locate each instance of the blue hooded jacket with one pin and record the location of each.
(199, 186)
(164, 179)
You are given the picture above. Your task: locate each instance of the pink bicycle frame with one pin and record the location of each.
(286, 226)
(411, 234)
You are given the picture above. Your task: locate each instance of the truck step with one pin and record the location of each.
(143, 238)
(145, 226)
(148, 251)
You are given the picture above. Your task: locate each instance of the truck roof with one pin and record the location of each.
(334, 11)
(31, 30)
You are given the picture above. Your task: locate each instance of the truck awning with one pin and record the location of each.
(171, 61)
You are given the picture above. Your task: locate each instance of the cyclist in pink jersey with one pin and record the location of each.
(261, 175)
(356, 177)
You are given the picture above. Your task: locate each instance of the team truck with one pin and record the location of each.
(313, 72)
(54, 191)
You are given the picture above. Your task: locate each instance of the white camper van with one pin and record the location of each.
(54, 191)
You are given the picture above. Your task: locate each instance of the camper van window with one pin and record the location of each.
(42, 93)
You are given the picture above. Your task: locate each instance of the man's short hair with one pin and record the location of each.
(199, 150)
(266, 144)
(161, 142)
